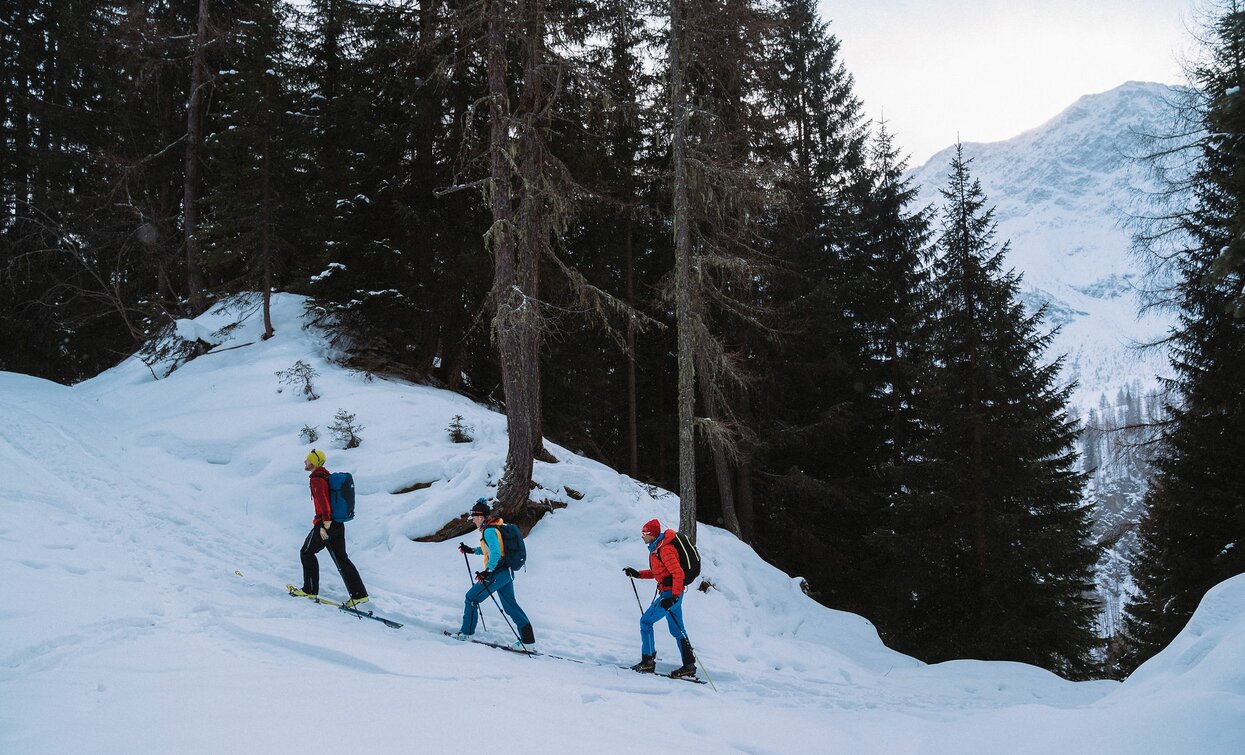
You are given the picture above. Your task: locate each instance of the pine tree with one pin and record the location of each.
(81, 284)
(1193, 534)
(805, 451)
(1004, 566)
(251, 216)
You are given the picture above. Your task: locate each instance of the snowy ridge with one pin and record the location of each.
(149, 526)
(1064, 193)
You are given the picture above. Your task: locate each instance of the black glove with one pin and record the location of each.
(484, 576)
(631, 572)
(668, 601)
(465, 548)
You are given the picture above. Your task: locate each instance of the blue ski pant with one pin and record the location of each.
(501, 585)
(654, 614)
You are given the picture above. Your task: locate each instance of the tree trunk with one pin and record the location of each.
(190, 180)
(266, 221)
(633, 404)
(721, 458)
(683, 279)
(747, 509)
(536, 209)
(513, 310)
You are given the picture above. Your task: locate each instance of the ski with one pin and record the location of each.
(498, 645)
(667, 676)
(520, 651)
(313, 598)
(340, 607)
(370, 615)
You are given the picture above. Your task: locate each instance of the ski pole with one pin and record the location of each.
(473, 582)
(339, 573)
(683, 631)
(489, 590)
(637, 595)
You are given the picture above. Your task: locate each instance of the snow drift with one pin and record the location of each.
(149, 526)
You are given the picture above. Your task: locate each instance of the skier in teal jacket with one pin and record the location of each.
(496, 579)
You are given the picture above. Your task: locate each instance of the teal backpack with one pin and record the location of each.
(513, 551)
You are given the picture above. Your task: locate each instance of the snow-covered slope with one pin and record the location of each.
(148, 527)
(1064, 193)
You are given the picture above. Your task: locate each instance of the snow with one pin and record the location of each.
(189, 330)
(149, 527)
(1064, 195)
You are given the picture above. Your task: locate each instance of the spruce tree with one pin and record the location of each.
(805, 453)
(1193, 533)
(251, 201)
(1003, 565)
(80, 140)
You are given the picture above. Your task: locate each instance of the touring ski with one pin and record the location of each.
(370, 615)
(349, 610)
(668, 676)
(498, 645)
(519, 651)
(312, 598)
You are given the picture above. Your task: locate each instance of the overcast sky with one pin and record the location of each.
(990, 69)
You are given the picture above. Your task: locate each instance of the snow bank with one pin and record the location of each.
(149, 526)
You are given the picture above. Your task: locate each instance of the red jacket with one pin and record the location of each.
(320, 495)
(664, 565)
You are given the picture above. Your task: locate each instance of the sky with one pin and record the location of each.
(987, 70)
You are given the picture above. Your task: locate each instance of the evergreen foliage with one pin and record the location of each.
(300, 375)
(459, 431)
(250, 226)
(880, 425)
(345, 430)
(1193, 534)
(1002, 567)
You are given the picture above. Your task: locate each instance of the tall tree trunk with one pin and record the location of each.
(633, 405)
(747, 508)
(514, 310)
(190, 180)
(721, 457)
(537, 207)
(266, 221)
(683, 278)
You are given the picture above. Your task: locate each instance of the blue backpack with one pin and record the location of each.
(513, 551)
(341, 496)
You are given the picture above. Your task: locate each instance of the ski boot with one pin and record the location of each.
(689, 661)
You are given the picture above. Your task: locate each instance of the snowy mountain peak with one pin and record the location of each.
(1064, 193)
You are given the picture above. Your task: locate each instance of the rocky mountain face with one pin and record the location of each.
(1065, 196)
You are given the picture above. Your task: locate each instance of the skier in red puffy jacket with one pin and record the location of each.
(664, 567)
(325, 533)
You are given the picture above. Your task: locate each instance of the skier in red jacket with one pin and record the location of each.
(664, 567)
(325, 533)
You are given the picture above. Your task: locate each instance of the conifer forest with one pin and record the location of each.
(663, 234)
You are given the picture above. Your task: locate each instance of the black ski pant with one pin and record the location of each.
(337, 549)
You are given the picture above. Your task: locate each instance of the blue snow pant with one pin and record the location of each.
(501, 585)
(674, 620)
